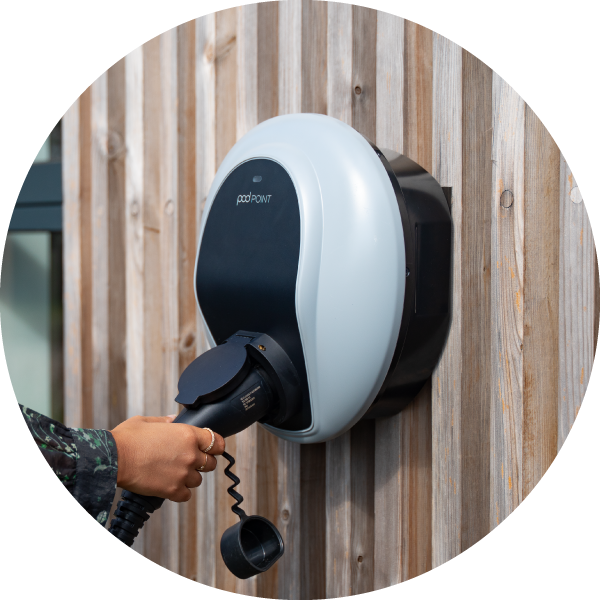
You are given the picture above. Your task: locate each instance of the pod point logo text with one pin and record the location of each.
(253, 198)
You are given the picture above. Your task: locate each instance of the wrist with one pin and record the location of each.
(121, 442)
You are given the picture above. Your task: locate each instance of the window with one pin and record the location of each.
(31, 286)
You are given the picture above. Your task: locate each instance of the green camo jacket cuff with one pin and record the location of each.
(85, 460)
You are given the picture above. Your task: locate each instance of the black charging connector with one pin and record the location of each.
(247, 379)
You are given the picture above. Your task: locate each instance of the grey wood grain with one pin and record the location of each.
(416, 485)
(390, 82)
(339, 62)
(362, 539)
(541, 301)
(288, 519)
(339, 516)
(447, 376)
(290, 57)
(476, 386)
(314, 57)
(506, 423)
(577, 296)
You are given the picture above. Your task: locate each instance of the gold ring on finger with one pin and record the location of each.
(205, 463)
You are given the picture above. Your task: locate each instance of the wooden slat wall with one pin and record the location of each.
(394, 497)
(447, 377)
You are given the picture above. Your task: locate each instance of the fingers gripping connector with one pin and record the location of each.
(231, 489)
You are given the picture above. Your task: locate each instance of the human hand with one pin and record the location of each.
(157, 457)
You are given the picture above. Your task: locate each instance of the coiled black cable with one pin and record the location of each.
(231, 489)
(132, 511)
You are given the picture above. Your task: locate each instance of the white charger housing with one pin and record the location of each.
(313, 236)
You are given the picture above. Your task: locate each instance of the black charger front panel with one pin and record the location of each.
(248, 263)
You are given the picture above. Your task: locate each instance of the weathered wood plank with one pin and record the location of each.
(387, 500)
(507, 197)
(339, 62)
(290, 57)
(186, 179)
(99, 251)
(206, 537)
(247, 69)
(267, 478)
(362, 543)
(476, 384)
(447, 376)
(288, 518)
(267, 58)
(85, 236)
(390, 81)
(288, 482)
(388, 551)
(416, 485)
(364, 76)
(72, 266)
(151, 276)
(313, 521)
(226, 123)
(577, 285)
(169, 266)
(314, 57)
(339, 516)
(540, 301)
(117, 292)
(134, 242)
(418, 75)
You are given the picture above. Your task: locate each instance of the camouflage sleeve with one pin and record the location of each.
(85, 460)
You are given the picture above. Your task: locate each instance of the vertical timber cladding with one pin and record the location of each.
(394, 497)
(447, 377)
(540, 301)
(186, 177)
(476, 299)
